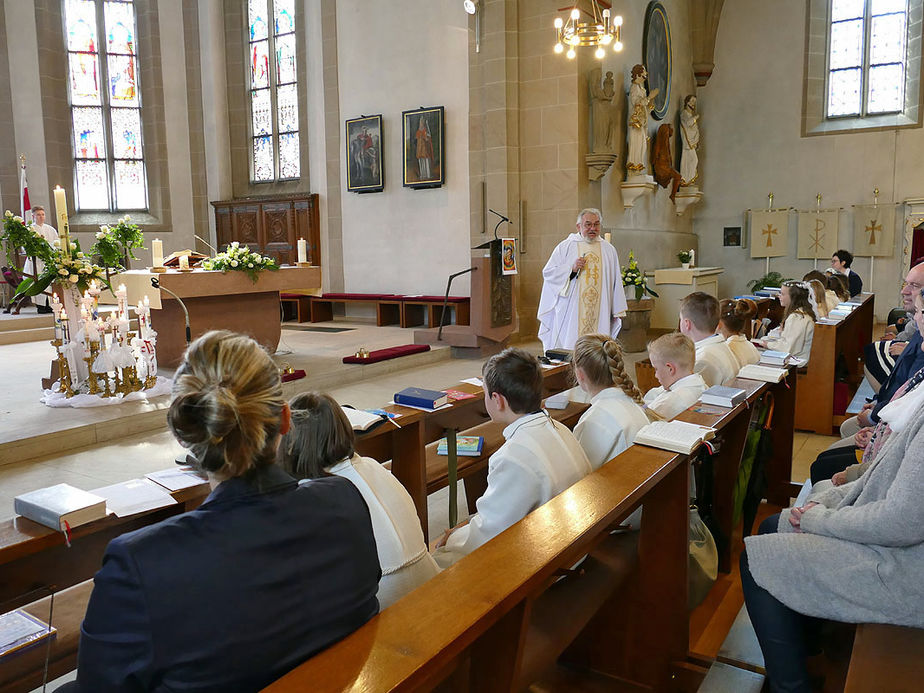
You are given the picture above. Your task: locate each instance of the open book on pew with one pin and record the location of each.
(19, 629)
(676, 436)
(767, 374)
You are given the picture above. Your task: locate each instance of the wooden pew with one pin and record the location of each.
(815, 401)
(732, 429)
(480, 624)
(35, 561)
(886, 659)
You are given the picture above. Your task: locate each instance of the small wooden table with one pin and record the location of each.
(215, 301)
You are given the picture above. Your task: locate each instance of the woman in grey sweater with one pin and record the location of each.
(853, 553)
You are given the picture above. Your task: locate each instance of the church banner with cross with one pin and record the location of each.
(769, 232)
(817, 234)
(874, 230)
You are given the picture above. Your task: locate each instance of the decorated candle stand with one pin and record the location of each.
(98, 356)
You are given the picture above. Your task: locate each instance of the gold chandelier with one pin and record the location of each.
(601, 31)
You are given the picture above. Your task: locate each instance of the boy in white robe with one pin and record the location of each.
(699, 320)
(540, 458)
(673, 356)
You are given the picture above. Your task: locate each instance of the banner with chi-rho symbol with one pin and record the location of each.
(769, 232)
(817, 234)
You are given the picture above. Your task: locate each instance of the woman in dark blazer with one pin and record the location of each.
(260, 577)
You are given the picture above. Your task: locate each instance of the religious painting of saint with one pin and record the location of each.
(365, 172)
(508, 255)
(656, 50)
(731, 236)
(423, 134)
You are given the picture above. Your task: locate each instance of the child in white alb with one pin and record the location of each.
(699, 320)
(616, 407)
(795, 335)
(672, 356)
(540, 458)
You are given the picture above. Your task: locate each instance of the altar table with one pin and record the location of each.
(215, 301)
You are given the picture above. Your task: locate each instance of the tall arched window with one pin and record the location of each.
(105, 100)
(867, 52)
(273, 90)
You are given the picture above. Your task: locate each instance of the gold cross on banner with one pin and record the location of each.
(873, 227)
(768, 232)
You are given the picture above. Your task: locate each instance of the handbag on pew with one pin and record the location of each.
(704, 560)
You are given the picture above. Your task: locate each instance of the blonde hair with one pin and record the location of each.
(820, 300)
(600, 358)
(227, 403)
(674, 348)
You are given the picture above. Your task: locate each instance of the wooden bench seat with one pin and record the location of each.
(299, 302)
(428, 310)
(387, 306)
(886, 659)
(23, 671)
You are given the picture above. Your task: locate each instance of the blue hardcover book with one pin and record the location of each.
(466, 446)
(419, 397)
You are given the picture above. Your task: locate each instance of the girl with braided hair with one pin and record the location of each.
(794, 336)
(616, 406)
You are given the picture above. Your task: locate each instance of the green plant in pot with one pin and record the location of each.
(684, 256)
(774, 279)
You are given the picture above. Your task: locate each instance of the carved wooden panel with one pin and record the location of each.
(271, 226)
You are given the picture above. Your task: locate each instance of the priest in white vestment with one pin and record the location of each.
(49, 234)
(582, 290)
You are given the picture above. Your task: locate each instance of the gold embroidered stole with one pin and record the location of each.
(591, 281)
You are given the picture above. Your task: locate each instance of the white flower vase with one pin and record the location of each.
(685, 265)
(630, 292)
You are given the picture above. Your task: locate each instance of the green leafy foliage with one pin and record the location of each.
(632, 275)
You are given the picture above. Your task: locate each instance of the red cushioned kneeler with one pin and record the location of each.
(389, 353)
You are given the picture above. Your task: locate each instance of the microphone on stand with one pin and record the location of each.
(155, 282)
(502, 220)
(207, 244)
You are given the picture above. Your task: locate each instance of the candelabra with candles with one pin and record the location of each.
(98, 355)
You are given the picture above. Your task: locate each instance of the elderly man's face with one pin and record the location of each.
(589, 227)
(914, 282)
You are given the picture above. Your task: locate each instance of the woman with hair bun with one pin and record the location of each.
(616, 406)
(734, 315)
(795, 335)
(262, 575)
(320, 444)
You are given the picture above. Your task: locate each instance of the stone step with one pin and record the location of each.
(34, 334)
(741, 648)
(14, 323)
(724, 678)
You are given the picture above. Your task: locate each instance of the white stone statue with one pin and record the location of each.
(604, 124)
(689, 134)
(640, 104)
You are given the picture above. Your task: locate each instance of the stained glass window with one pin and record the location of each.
(109, 170)
(273, 90)
(866, 57)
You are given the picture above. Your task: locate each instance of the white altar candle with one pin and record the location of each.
(692, 258)
(61, 212)
(157, 250)
(184, 262)
(302, 250)
(607, 236)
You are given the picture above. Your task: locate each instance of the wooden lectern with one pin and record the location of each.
(493, 309)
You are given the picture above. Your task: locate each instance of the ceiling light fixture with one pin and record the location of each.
(601, 31)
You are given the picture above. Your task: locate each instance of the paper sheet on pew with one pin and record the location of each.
(477, 382)
(176, 478)
(132, 497)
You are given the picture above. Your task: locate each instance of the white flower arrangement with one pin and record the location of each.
(240, 258)
(632, 275)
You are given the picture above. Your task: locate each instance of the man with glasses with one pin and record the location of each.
(910, 361)
(582, 290)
